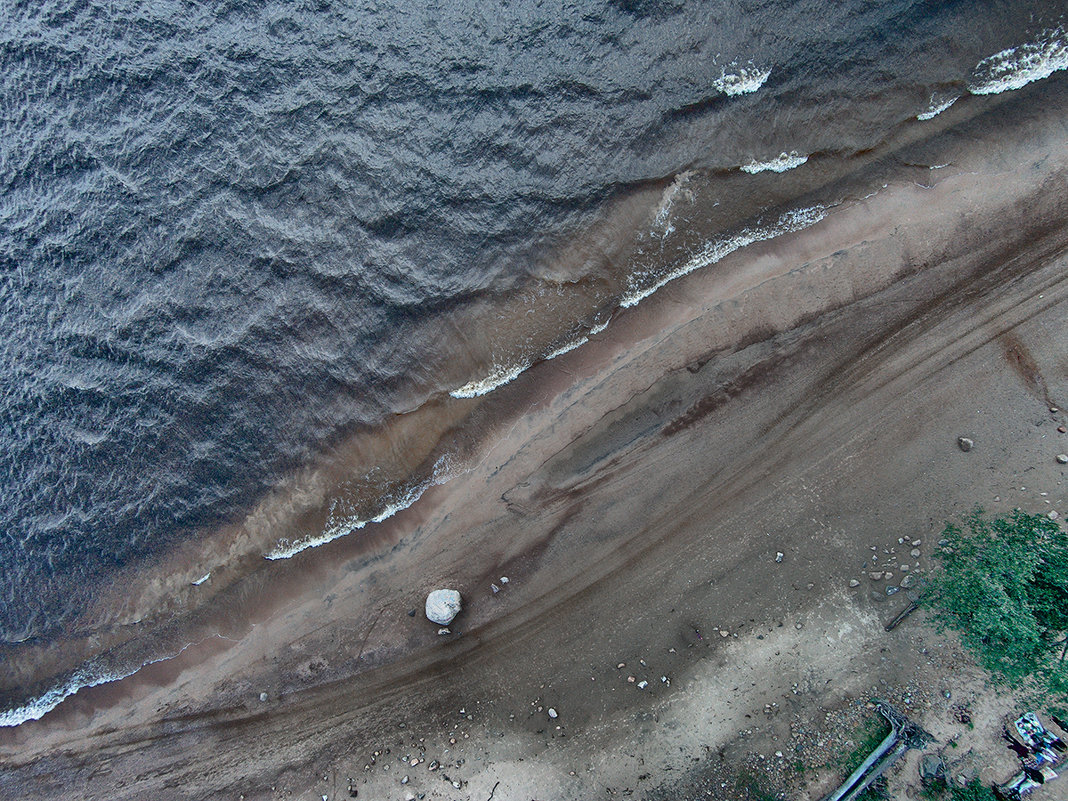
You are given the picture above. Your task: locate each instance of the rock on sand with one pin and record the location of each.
(442, 606)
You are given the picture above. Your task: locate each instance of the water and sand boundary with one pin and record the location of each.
(798, 394)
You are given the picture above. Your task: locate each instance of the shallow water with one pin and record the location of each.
(230, 237)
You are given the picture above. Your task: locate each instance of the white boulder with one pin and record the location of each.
(442, 606)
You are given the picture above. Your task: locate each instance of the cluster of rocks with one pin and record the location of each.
(890, 567)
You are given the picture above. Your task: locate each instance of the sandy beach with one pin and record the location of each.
(679, 505)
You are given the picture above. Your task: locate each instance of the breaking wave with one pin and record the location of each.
(781, 163)
(718, 249)
(578, 343)
(741, 80)
(498, 377)
(88, 675)
(341, 525)
(936, 107)
(1018, 66)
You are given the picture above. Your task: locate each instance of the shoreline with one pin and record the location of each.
(783, 350)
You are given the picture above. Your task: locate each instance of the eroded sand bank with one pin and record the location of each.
(802, 396)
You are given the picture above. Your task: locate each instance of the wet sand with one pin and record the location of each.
(803, 396)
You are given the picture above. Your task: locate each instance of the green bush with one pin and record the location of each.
(973, 791)
(1003, 583)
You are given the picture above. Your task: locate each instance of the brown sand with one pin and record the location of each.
(804, 397)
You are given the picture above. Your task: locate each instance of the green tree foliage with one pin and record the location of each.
(1003, 584)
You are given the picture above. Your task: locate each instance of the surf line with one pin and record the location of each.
(286, 549)
(84, 677)
(718, 249)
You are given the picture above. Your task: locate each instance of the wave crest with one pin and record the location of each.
(1018, 66)
(718, 249)
(742, 80)
(781, 163)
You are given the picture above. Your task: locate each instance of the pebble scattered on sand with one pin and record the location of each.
(854, 583)
(1062, 458)
(778, 556)
(965, 444)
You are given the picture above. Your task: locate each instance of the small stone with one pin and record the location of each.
(1052, 515)
(552, 713)
(778, 754)
(891, 590)
(965, 444)
(1062, 458)
(1062, 429)
(917, 543)
(411, 613)
(263, 696)
(495, 588)
(798, 626)
(778, 556)
(442, 606)
(444, 630)
(404, 780)
(876, 576)
(724, 633)
(642, 685)
(854, 583)
(915, 553)
(904, 568)
(889, 575)
(1053, 410)
(504, 579)
(621, 665)
(631, 679)
(906, 582)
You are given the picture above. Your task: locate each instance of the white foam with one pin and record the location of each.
(937, 107)
(338, 527)
(741, 80)
(560, 351)
(81, 679)
(718, 249)
(1018, 66)
(781, 163)
(662, 224)
(498, 377)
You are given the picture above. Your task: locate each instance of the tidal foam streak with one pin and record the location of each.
(1018, 66)
(718, 249)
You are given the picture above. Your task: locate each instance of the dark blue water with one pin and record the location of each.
(221, 224)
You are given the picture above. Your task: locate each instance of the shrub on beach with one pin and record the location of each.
(1003, 584)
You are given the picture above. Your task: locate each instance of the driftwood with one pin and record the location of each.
(904, 734)
(904, 613)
